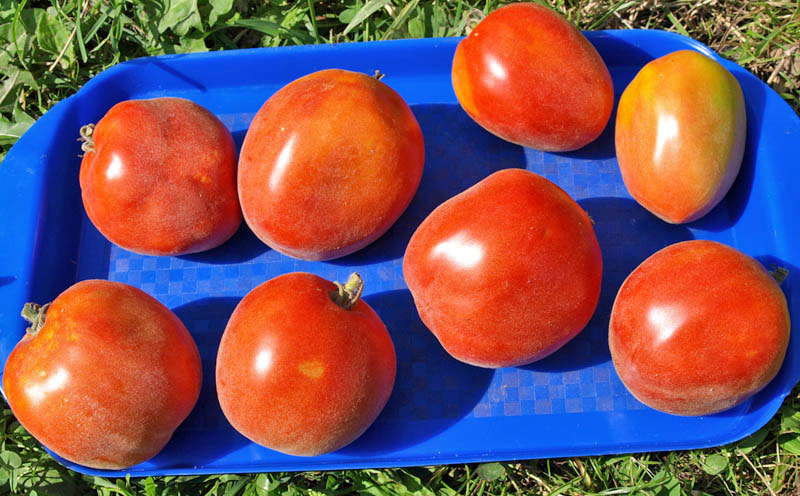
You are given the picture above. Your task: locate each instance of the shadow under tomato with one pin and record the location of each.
(205, 435)
(628, 234)
(238, 139)
(432, 390)
(729, 210)
(601, 148)
(241, 247)
(458, 154)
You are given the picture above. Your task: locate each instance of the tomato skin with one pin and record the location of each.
(528, 76)
(162, 178)
(299, 374)
(109, 377)
(697, 328)
(328, 164)
(506, 272)
(680, 135)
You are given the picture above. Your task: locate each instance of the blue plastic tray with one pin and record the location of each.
(441, 411)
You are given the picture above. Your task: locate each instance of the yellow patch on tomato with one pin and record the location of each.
(312, 368)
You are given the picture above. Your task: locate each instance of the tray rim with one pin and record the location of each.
(26, 271)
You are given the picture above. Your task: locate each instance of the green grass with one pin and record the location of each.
(51, 48)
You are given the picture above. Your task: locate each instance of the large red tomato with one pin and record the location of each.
(328, 164)
(697, 328)
(528, 76)
(506, 272)
(304, 366)
(159, 177)
(104, 376)
(680, 135)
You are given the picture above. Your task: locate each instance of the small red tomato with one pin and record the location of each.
(329, 164)
(104, 375)
(304, 366)
(159, 177)
(527, 75)
(506, 272)
(680, 135)
(697, 328)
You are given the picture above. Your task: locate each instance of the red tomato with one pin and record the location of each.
(104, 376)
(159, 177)
(697, 328)
(680, 135)
(328, 164)
(506, 272)
(303, 367)
(528, 76)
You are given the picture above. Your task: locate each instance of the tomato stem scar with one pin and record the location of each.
(346, 295)
(35, 314)
(87, 143)
(779, 274)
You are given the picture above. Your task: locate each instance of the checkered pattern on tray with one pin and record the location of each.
(204, 288)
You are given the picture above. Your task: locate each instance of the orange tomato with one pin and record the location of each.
(698, 328)
(104, 376)
(329, 164)
(506, 272)
(527, 75)
(159, 177)
(304, 366)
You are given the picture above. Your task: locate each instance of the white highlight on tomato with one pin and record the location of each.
(460, 250)
(666, 132)
(114, 168)
(282, 162)
(37, 392)
(496, 69)
(263, 361)
(666, 320)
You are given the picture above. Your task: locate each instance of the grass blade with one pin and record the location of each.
(367, 10)
(313, 16)
(400, 19)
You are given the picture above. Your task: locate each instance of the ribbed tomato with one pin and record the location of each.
(104, 375)
(159, 177)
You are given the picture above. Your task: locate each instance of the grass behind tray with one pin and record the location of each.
(51, 48)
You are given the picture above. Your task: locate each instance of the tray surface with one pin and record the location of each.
(441, 411)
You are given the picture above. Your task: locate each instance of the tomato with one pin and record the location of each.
(680, 135)
(527, 75)
(104, 375)
(159, 177)
(328, 164)
(304, 366)
(506, 272)
(697, 328)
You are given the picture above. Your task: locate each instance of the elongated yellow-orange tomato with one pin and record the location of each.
(680, 135)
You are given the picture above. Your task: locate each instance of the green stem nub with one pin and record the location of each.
(378, 75)
(35, 314)
(779, 274)
(87, 143)
(346, 295)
